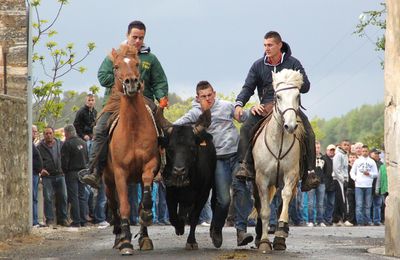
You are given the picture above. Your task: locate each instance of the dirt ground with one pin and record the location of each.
(96, 243)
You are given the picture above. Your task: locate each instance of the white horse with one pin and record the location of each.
(277, 153)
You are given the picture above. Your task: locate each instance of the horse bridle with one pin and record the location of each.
(123, 83)
(281, 113)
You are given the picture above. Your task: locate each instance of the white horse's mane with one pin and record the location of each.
(289, 77)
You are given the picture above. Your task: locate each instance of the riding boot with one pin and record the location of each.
(309, 179)
(91, 176)
(246, 167)
(243, 238)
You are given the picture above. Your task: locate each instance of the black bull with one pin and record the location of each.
(189, 176)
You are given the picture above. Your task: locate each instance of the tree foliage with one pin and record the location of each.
(55, 64)
(364, 124)
(375, 19)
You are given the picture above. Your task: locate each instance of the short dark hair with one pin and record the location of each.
(204, 84)
(48, 126)
(365, 146)
(136, 24)
(273, 34)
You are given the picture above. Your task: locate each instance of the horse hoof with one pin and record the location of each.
(265, 247)
(282, 230)
(179, 231)
(279, 243)
(126, 249)
(145, 244)
(192, 246)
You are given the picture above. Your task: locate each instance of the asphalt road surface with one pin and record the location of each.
(92, 242)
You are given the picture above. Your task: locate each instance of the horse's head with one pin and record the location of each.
(287, 84)
(183, 144)
(126, 70)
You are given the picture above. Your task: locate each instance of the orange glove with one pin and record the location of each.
(163, 102)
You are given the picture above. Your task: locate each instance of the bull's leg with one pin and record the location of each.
(264, 196)
(191, 243)
(173, 214)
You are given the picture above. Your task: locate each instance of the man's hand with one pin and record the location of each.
(238, 113)
(44, 173)
(163, 102)
(257, 109)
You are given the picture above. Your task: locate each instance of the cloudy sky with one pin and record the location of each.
(218, 40)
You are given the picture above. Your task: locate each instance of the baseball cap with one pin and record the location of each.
(374, 150)
(330, 147)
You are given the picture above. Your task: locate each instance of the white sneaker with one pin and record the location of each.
(205, 224)
(310, 224)
(322, 224)
(103, 224)
(348, 224)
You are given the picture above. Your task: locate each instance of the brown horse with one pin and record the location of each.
(133, 150)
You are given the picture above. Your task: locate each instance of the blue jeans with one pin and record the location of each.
(329, 206)
(363, 205)
(206, 213)
(35, 184)
(100, 207)
(221, 196)
(77, 197)
(242, 202)
(51, 185)
(296, 206)
(161, 203)
(377, 207)
(319, 194)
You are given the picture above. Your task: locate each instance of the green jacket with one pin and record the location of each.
(151, 72)
(383, 180)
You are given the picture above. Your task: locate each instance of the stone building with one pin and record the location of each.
(15, 200)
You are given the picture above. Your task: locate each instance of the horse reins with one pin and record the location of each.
(280, 155)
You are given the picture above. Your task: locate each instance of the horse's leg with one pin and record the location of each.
(145, 242)
(282, 231)
(113, 205)
(146, 215)
(265, 193)
(125, 247)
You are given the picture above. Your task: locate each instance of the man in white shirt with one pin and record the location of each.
(363, 172)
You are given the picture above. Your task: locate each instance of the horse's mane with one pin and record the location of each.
(289, 77)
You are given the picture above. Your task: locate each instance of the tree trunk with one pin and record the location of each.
(392, 127)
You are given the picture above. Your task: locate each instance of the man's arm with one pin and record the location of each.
(248, 87)
(189, 118)
(77, 123)
(306, 83)
(105, 75)
(64, 157)
(337, 168)
(158, 80)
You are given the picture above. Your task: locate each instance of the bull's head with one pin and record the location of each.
(182, 149)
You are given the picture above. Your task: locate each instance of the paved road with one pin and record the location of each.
(331, 243)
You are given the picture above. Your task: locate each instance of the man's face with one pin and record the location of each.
(48, 135)
(208, 95)
(272, 47)
(34, 132)
(352, 158)
(345, 146)
(136, 38)
(330, 152)
(364, 152)
(358, 150)
(317, 148)
(90, 101)
(375, 156)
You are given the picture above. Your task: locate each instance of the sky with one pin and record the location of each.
(218, 41)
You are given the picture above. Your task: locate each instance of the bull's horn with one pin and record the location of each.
(203, 122)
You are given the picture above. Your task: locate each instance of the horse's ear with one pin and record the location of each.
(113, 53)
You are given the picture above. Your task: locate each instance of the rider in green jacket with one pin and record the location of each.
(155, 88)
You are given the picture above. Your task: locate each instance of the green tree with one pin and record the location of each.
(55, 64)
(376, 19)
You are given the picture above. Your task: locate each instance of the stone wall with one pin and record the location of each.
(13, 47)
(14, 178)
(14, 141)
